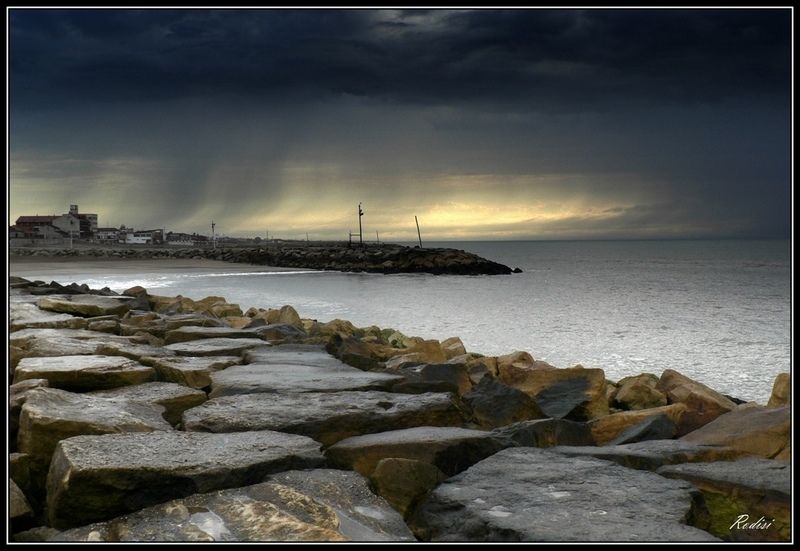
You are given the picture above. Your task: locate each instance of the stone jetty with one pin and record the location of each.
(383, 258)
(139, 417)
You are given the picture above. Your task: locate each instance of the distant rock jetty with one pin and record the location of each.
(139, 417)
(385, 258)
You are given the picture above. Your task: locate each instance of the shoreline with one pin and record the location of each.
(403, 418)
(372, 258)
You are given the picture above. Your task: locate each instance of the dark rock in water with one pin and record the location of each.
(494, 404)
(450, 449)
(95, 478)
(545, 433)
(327, 417)
(517, 271)
(652, 454)
(82, 373)
(740, 493)
(318, 505)
(528, 494)
(737, 401)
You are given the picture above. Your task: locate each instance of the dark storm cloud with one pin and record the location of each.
(668, 122)
(537, 59)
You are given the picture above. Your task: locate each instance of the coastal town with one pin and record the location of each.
(62, 229)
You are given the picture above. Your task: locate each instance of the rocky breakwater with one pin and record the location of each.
(139, 417)
(385, 259)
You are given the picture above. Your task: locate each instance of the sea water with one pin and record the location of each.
(716, 311)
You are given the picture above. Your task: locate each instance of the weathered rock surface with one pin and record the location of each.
(193, 332)
(362, 515)
(453, 347)
(51, 415)
(17, 394)
(739, 493)
(404, 482)
(434, 378)
(81, 373)
(759, 431)
(258, 378)
(327, 417)
(19, 510)
(652, 454)
(781, 391)
(703, 403)
(24, 315)
(191, 319)
(132, 351)
(37, 534)
(214, 347)
(605, 429)
(545, 433)
(639, 392)
(61, 342)
(656, 427)
(528, 494)
(574, 393)
(494, 404)
(318, 505)
(450, 449)
(85, 305)
(174, 398)
(278, 332)
(95, 478)
(292, 354)
(191, 371)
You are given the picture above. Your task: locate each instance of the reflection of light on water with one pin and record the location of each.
(227, 274)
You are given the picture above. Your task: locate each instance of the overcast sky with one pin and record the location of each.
(520, 124)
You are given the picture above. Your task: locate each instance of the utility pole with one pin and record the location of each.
(360, 214)
(377, 238)
(418, 234)
(213, 240)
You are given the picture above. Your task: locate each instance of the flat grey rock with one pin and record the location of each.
(530, 494)
(194, 332)
(450, 449)
(82, 373)
(94, 478)
(749, 499)
(327, 417)
(51, 415)
(85, 305)
(191, 371)
(652, 454)
(132, 351)
(61, 342)
(24, 315)
(316, 505)
(174, 398)
(214, 347)
(259, 378)
(292, 354)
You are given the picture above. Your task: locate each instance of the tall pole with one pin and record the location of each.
(377, 237)
(360, 214)
(213, 241)
(418, 234)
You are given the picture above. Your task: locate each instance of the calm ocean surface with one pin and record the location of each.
(717, 311)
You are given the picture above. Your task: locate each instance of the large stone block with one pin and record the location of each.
(95, 478)
(327, 417)
(81, 373)
(528, 494)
